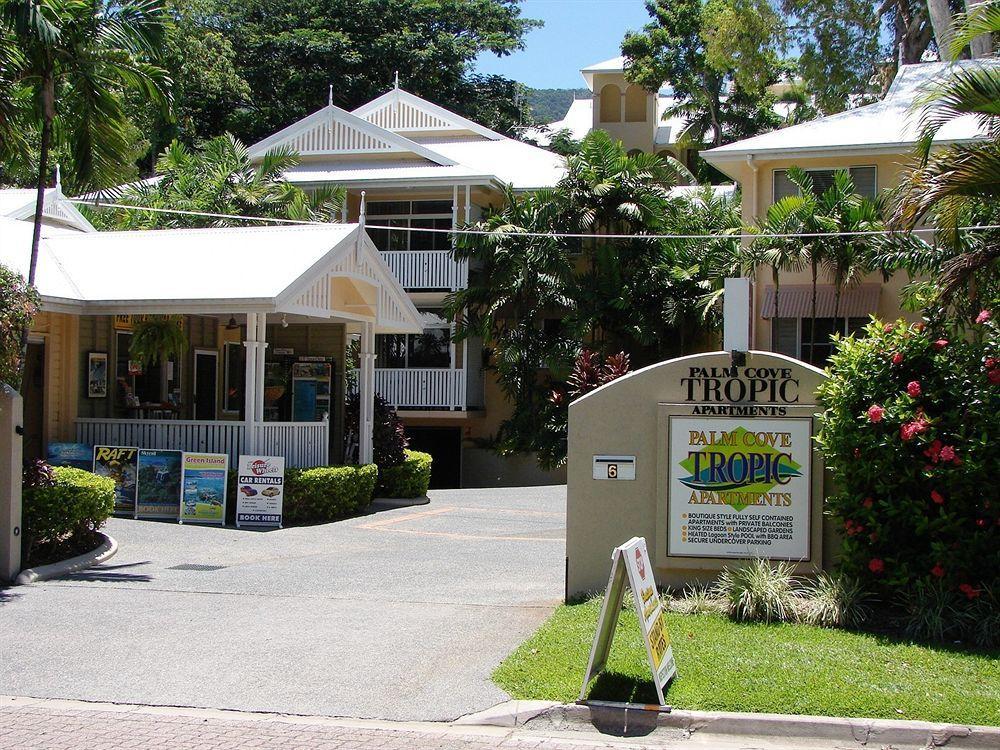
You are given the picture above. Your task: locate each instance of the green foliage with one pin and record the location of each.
(409, 479)
(388, 434)
(549, 105)
(290, 51)
(718, 56)
(18, 306)
(77, 502)
(219, 177)
(909, 433)
(327, 493)
(157, 339)
(697, 600)
(835, 601)
(760, 591)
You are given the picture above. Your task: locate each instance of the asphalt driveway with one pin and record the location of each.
(400, 614)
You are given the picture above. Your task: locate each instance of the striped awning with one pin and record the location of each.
(796, 301)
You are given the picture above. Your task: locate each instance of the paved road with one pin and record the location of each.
(31, 724)
(401, 614)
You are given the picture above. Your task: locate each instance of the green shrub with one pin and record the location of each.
(834, 601)
(326, 493)
(697, 600)
(319, 495)
(758, 592)
(909, 431)
(76, 502)
(981, 621)
(409, 479)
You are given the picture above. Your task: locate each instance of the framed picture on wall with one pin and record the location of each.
(97, 374)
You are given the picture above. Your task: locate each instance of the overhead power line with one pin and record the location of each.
(514, 231)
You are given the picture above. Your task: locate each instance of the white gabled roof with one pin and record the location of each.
(56, 210)
(402, 112)
(333, 130)
(579, 120)
(518, 164)
(889, 126)
(219, 270)
(614, 65)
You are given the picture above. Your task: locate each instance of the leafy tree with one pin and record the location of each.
(718, 56)
(549, 105)
(957, 184)
(219, 178)
(18, 305)
(74, 59)
(290, 51)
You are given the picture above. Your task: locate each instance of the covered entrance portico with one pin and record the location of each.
(315, 279)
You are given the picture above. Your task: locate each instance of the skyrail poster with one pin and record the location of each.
(739, 487)
(260, 484)
(203, 483)
(159, 493)
(120, 465)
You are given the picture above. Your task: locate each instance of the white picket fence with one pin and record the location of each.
(427, 269)
(303, 444)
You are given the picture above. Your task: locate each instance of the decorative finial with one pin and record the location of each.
(330, 102)
(395, 84)
(58, 179)
(361, 210)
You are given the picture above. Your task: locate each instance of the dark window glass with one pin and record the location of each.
(399, 240)
(432, 348)
(235, 374)
(430, 240)
(387, 208)
(380, 237)
(432, 207)
(390, 350)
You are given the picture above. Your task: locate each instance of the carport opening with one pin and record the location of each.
(445, 446)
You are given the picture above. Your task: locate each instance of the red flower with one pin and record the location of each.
(969, 590)
(887, 328)
(983, 316)
(868, 502)
(913, 388)
(933, 451)
(948, 453)
(990, 363)
(981, 523)
(937, 571)
(910, 430)
(876, 566)
(919, 327)
(875, 413)
(937, 497)
(897, 358)
(994, 376)
(940, 344)
(873, 537)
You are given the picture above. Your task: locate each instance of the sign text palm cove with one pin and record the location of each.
(741, 391)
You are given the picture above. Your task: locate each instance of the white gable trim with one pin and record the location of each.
(400, 111)
(55, 208)
(332, 130)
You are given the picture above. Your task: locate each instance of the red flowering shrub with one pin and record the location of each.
(18, 305)
(911, 432)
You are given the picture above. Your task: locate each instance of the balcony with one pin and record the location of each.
(422, 388)
(427, 269)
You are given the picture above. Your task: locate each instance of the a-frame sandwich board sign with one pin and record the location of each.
(631, 561)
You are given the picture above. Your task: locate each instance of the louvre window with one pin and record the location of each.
(864, 181)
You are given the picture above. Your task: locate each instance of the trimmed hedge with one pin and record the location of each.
(77, 502)
(319, 495)
(408, 479)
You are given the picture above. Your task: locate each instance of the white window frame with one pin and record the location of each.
(774, 174)
(378, 219)
(798, 331)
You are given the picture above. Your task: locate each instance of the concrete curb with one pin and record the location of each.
(397, 502)
(508, 714)
(105, 551)
(855, 731)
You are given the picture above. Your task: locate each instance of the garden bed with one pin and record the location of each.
(780, 668)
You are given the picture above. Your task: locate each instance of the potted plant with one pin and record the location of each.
(157, 339)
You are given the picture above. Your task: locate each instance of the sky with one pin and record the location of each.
(577, 33)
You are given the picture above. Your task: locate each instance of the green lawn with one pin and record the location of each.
(795, 669)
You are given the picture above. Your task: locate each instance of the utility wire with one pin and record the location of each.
(514, 231)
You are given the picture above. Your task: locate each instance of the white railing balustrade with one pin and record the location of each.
(427, 269)
(422, 388)
(303, 444)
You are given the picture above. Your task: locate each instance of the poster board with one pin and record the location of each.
(120, 464)
(75, 455)
(260, 489)
(630, 563)
(203, 488)
(159, 484)
(739, 487)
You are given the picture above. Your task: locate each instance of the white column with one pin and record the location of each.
(366, 386)
(250, 388)
(11, 421)
(261, 351)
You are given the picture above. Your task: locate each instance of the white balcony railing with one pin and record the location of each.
(303, 444)
(421, 388)
(427, 269)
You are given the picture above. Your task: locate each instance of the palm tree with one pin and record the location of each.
(959, 182)
(219, 178)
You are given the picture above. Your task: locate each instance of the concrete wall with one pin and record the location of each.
(630, 417)
(482, 467)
